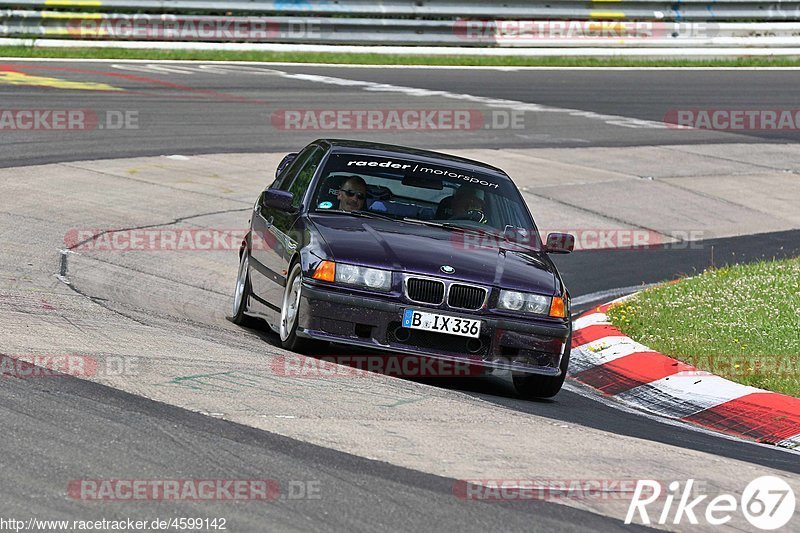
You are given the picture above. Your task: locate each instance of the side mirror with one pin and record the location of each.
(277, 199)
(560, 243)
(521, 236)
(285, 162)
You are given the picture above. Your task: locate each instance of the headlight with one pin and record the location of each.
(377, 279)
(349, 274)
(369, 278)
(524, 302)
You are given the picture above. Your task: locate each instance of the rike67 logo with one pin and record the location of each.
(767, 503)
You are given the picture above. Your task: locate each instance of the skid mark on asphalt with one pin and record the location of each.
(284, 387)
(12, 77)
(19, 70)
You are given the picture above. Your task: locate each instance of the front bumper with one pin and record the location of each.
(519, 345)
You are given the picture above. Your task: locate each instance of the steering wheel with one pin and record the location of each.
(475, 215)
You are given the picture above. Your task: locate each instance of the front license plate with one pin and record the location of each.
(464, 327)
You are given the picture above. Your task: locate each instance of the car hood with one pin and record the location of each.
(420, 249)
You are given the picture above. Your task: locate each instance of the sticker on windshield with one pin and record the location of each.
(325, 205)
(451, 174)
(384, 164)
(417, 168)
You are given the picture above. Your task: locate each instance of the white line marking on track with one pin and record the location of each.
(374, 66)
(610, 293)
(613, 120)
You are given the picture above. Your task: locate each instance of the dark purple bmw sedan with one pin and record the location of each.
(408, 251)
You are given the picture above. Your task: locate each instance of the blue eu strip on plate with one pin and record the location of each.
(407, 314)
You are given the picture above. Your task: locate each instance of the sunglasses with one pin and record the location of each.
(350, 194)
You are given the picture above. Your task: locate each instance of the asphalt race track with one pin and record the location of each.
(189, 109)
(382, 453)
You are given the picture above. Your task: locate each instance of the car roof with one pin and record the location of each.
(347, 146)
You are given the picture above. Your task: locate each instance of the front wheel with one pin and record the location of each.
(533, 386)
(290, 313)
(241, 294)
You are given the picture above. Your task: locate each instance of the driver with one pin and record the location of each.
(465, 200)
(352, 195)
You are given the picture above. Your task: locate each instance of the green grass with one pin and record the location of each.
(380, 59)
(740, 322)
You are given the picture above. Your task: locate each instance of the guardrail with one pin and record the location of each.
(448, 9)
(361, 31)
(465, 23)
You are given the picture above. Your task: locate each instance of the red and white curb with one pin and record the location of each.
(605, 359)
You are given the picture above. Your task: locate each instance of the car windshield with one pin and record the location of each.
(420, 193)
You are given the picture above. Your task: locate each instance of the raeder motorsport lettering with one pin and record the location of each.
(416, 168)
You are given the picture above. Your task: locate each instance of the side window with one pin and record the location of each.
(285, 179)
(303, 178)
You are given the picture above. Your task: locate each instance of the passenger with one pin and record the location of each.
(467, 205)
(352, 195)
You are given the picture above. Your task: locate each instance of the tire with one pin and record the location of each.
(290, 314)
(534, 386)
(242, 291)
